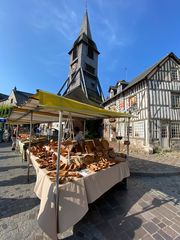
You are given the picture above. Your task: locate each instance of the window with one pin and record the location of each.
(121, 104)
(90, 69)
(111, 93)
(90, 52)
(11, 100)
(175, 100)
(74, 53)
(154, 129)
(130, 130)
(139, 129)
(164, 131)
(133, 103)
(120, 129)
(175, 130)
(174, 74)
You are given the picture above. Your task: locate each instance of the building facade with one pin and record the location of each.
(16, 98)
(153, 98)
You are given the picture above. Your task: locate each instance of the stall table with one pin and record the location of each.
(22, 145)
(74, 196)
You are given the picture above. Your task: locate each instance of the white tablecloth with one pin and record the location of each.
(74, 196)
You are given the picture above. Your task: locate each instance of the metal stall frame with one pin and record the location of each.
(48, 107)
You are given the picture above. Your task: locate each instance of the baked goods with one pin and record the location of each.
(64, 167)
(54, 156)
(65, 176)
(88, 159)
(98, 156)
(89, 146)
(111, 154)
(105, 144)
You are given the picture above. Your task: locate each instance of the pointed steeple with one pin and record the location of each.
(82, 83)
(85, 27)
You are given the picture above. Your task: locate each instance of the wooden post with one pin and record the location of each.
(17, 129)
(58, 171)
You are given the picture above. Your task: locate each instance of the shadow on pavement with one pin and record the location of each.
(112, 217)
(5, 145)
(6, 151)
(9, 156)
(152, 168)
(3, 169)
(18, 180)
(12, 206)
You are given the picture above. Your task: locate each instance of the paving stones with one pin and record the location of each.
(148, 210)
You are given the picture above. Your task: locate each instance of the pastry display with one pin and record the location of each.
(96, 156)
(65, 176)
(105, 144)
(89, 146)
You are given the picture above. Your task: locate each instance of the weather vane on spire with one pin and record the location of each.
(86, 5)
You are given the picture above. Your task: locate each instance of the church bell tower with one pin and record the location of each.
(82, 83)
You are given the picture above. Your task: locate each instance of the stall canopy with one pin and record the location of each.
(45, 107)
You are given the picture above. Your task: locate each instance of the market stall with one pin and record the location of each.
(44, 107)
(22, 143)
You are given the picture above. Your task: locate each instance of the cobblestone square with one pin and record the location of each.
(149, 209)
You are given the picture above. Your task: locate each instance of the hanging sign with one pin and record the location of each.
(2, 120)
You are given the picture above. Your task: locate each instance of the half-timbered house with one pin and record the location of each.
(153, 98)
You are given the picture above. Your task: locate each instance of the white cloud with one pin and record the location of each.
(60, 18)
(112, 34)
(118, 21)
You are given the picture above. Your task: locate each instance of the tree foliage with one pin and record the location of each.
(5, 110)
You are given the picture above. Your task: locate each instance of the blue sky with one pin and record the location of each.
(36, 36)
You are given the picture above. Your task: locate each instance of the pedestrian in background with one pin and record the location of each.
(13, 138)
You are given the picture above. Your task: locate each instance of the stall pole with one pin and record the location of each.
(58, 171)
(119, 145)
(128, 136)
(84, 127)
(17, 129)
(30, 139)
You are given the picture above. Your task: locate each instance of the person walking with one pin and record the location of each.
(13, 138)
(78, 135)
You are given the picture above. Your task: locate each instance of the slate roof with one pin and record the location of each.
(149, 70)
(85, 27)
(3, 96)
(85, 34)
(21, 97)
(145, 74)
(116, 86)
(78, 95)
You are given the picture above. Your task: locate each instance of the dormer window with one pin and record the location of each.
(111, 93)
(174, 74)
(119, 88)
